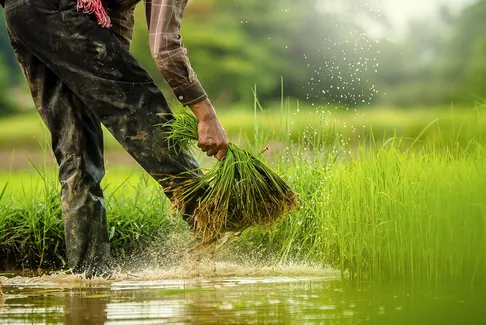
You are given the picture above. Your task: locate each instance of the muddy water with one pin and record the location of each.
(234, 300)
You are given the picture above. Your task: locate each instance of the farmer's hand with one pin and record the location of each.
(212, 139)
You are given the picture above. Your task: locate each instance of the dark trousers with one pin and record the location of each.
(81, 75)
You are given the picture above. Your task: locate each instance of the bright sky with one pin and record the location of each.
(400, 11)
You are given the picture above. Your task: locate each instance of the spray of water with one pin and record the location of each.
(173, 258)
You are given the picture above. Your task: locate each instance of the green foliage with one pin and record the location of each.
(10, 73)
(322, 49)
(32, 229)
(9, 64)
(394, 215)
(324, 53)
(438, 61)
(6, 105)
(463, 58)
(397, 210)
(25, 132)
(235, 45)
(393, 211)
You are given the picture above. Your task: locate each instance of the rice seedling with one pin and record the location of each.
(240, 191)
(32, 228)
(387, 211)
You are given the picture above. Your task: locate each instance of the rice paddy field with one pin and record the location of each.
(401, 199)
(391, 228)
(290, 120)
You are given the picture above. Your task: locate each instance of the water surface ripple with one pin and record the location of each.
(237, 300)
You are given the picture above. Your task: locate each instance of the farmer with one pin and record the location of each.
(75, 57)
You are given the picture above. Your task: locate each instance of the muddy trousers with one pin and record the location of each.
(81, 75)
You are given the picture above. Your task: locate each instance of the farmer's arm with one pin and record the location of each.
(164, 20)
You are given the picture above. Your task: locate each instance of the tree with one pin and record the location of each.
(10, 63)
(6, 107)
(323, 56)
(462, 60)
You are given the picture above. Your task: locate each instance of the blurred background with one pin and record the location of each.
(386, 60)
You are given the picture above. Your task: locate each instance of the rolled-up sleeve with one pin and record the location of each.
(164, 23)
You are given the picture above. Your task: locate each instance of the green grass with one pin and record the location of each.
(31, 228)
(394, 215)
(28, 131)
(401, 210)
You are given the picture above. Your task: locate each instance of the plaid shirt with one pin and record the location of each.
(164, 22)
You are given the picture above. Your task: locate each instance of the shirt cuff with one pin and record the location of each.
(192, 94)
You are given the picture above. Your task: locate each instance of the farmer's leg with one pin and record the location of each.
(106, 77)
(77, 142)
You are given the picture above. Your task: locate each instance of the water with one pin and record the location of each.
(236, 300)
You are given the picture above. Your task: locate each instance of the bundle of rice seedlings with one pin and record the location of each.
(239, 192)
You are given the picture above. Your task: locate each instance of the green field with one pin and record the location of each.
(399, 209)
(448, 124)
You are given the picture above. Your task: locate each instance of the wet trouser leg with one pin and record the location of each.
(81, 74)
(77, 142)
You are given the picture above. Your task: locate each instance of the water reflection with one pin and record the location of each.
(239, 301)
(81, 310)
